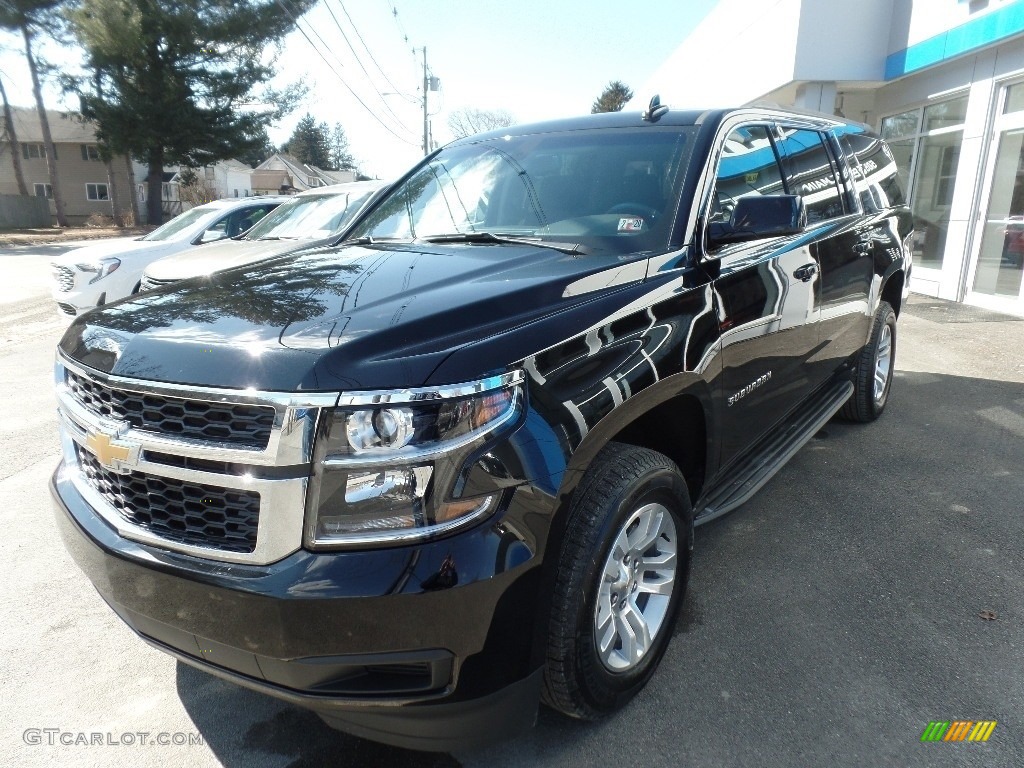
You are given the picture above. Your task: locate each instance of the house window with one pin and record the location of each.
(96, 192)
(43, 190)
(35, 151)
(236, 193)
(90, 152)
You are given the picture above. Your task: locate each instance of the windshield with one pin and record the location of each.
(176, 227)
(610, 190)
(309, 216)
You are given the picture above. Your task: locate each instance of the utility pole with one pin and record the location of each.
(426, 128)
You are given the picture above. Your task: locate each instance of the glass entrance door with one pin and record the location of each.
(996, 278)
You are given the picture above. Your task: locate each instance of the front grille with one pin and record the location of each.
(65, 277)
(234, 423)
(149, 283)
(189, 513)
(67, 309)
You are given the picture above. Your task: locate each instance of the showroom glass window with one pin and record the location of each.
(926, 145)
(1000, 267)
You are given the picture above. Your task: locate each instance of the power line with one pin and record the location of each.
(362, 67)
(372, 58)
(337, 74)
(401, 28)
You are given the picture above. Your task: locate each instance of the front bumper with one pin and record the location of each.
(427, 646)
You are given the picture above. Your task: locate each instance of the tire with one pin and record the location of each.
(625, 490)
(872, 377)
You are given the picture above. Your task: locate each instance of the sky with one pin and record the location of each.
(537, 59)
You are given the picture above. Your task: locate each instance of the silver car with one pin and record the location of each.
(310, 218)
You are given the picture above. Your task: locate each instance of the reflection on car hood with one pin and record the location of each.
(216, 256)
(348, 318)
(122, 247)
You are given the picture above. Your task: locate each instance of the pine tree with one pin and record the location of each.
(341, 153)
(613, 98)
(309, 143)
(173, 76)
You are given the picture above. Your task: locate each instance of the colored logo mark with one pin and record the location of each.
(958, 730)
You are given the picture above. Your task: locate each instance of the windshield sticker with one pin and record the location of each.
(631, 225)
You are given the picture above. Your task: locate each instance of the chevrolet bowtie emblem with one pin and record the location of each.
(112, 452)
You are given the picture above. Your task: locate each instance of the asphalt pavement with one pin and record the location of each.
(829, 620)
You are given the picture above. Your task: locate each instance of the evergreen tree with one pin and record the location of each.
(309, 143)
(257, 155)
(172, 76)
(613, 98)
(341, 154)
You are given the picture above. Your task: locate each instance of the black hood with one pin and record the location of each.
(348, 318)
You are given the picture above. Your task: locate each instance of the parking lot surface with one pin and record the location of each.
(829, 620)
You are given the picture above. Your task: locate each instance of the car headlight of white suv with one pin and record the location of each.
(101, 267)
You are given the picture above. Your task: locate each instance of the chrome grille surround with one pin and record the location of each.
(289, 447)
(151, 283)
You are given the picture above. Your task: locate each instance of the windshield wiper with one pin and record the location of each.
(573, 249)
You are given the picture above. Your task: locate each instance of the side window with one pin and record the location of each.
(875, 175)
(811, 175)
(253, 215)
(748, 166)
(236, 223)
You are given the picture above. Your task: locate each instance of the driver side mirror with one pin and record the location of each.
(211, 235)
(760, 216)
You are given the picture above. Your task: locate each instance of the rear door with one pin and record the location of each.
(765, 297)
(840, 241)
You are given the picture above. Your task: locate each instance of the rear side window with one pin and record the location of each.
(811, 175)
(874, 170)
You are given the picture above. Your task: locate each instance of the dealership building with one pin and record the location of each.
(942, 80)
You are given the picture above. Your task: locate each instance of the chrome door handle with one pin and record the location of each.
(806, 273)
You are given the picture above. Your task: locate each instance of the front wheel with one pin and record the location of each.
(872, 377)
(620, 581)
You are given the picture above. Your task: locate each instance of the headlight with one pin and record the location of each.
(390, 465)
(101, 267)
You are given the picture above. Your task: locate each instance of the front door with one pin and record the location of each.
(767, 301)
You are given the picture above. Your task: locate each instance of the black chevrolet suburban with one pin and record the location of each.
(421, 480)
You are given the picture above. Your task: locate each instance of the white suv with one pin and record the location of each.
(108, 270)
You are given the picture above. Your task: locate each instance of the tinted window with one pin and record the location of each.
(748, 166)
(875, 174)
(810, 174)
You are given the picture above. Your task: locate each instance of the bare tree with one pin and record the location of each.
(29, 17)
(12, 134)
(468, 121)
